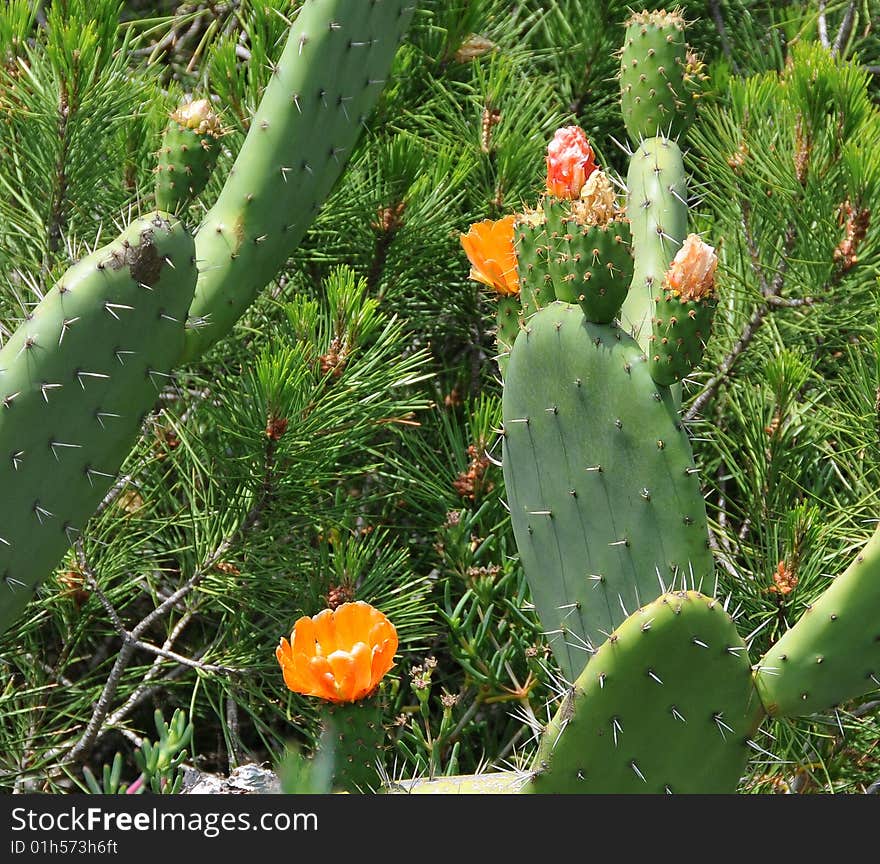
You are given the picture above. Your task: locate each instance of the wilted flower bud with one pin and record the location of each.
(691, 276)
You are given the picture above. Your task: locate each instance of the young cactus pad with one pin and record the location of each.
(666, 704)
(657, 210)
(832, 654)
(190, 146)
(604, 497)
(337, 56)
(76, 379)
(655, 94)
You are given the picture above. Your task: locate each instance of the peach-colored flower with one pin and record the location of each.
(489, 247)
(570, 162)
(339, 654)
(691, 276)
(199, 116)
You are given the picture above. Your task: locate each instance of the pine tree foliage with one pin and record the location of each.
(342, 442)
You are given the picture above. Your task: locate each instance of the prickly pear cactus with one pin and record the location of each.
(358, 738)
(604, 496)
(76, 380)
(665, 705)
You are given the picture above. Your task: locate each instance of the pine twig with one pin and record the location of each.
(845, 30)
(822, 25)
(770, 292)
(718, 18)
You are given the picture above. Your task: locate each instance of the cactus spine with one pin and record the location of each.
(833, 652)
(76, 380)
(337, 56)
(604, 497)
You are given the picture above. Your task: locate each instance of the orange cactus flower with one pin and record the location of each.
(570, 161)
(489, 247)
(339, 654)
(691, 276)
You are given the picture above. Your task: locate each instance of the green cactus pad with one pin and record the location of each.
(599, 264)
(657, 210)
(604, 497)
(655, 96)
(665, 705)
(187, 156)
(358, 738)
(75, 382)
(331, 71)
(680, 331)
(832, 654)
(507, 317)
(532, 243)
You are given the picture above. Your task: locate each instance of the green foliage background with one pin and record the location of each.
(378, 352)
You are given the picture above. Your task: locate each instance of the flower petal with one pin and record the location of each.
(362, 679)
(342, 664)
(325, 631)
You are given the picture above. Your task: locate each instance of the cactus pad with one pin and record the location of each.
(655, 95)
(190, 146)
(75, 382)
(832, 654)
(358, 735)
(604, 497)
(681, 328)
(657, 211)
(665, 705)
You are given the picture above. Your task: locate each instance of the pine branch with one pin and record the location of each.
(845, 30)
